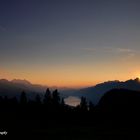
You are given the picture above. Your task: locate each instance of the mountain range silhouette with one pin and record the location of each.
(93, 93)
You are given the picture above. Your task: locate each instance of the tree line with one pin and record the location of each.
(51, 102)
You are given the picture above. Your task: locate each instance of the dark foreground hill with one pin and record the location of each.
(121, 107)
(95, 93)
(115, 117)
(120, 101)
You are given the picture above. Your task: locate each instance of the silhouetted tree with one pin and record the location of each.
(14, 101)
(83, 104)
(1, 102)
(23, 98)
(62, 102)
(91, 107)
(56, 97)
(47, 97)
(5, 100)
(38, 99)
(1, 99)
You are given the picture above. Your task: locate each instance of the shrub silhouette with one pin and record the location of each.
(38, 99)
(91, 107)
(56, 97)
(47, 97)
(23, 98)
(83, 104)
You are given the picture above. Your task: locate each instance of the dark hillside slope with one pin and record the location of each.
(120, 100)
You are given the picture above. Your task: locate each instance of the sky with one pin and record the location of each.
(71, 43)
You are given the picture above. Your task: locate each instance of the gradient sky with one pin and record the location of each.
(69, 42)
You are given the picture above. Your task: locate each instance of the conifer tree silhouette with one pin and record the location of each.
(23, 98)
(83, 104)
(91, 107)
(62, 102)
(56, 97)
(38, 99)
(47, 97)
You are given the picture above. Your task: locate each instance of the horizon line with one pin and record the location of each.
(63, 87)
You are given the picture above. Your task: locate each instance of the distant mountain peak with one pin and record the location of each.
(94, 93)
(137, 79)
(4, 80)
(20, 81)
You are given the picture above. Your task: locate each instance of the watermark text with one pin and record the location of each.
(3, 133)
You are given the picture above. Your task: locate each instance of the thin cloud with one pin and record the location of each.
(125, 50)
(118, 50)
(124, 54)
(109, 50)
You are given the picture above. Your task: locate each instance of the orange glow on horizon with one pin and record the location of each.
(68, 76)
(62, 84)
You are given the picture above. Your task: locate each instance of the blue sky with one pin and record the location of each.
(69, 42)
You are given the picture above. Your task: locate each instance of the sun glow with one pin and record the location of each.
(138, 78)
